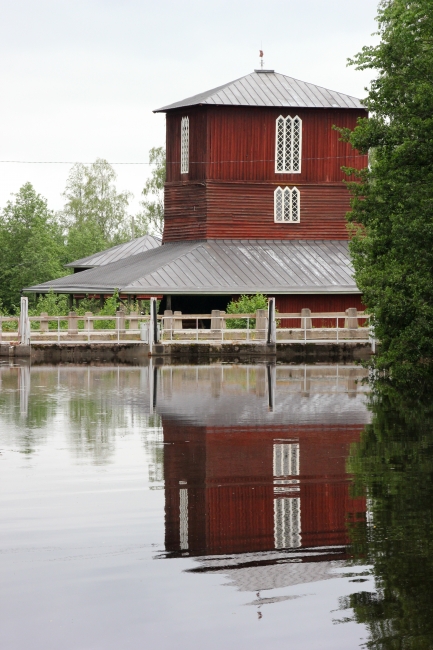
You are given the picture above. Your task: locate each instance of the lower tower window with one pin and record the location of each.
(287, 205)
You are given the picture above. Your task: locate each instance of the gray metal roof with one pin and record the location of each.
(138, 245)
(221, 267)
(269, 88)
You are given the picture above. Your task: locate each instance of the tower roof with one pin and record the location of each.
(268, 88)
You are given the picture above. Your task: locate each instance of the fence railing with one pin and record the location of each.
(81, 328)
(303, 326)
(257, 327)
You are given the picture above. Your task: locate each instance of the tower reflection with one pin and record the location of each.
(248, 489)
(271, 482)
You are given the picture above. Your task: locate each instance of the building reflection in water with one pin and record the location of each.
(253, 458)
(255, 484)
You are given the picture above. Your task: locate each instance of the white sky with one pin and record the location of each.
(80, 78)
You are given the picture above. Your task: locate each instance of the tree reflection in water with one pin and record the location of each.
(393, 466)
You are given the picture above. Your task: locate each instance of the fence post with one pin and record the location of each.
(177, 322)
(72, 323)
(351, 320)
(272, 330)
(24, 323)
(306, 321)
(43, 323)
(120, 320)
(168, 322)
(88, 324)
(261, 323)
(133, 320)
(153, 322)
(215, 321)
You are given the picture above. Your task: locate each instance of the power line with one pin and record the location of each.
(176, 162)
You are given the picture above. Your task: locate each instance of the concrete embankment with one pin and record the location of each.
(136, 352)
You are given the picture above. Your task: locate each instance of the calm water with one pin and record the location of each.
(211, 507)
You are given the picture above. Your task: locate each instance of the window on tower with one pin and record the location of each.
(288, 148)
(184, 145)
(287, 205)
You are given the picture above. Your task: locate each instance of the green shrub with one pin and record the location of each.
(245, 305)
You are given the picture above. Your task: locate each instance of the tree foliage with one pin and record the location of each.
(392, 209)
(35, 243)
(31, 245)
(95, 215)
(151, 217)
(393, 466)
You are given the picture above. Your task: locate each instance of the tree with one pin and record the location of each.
(393, 466)
(152, 216)
(391, 220)
(31, 245)
(95, 213)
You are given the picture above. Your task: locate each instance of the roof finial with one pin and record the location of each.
(261, 58)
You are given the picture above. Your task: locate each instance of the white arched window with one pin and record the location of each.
(184, 145)
(287, 205)
(288, 146)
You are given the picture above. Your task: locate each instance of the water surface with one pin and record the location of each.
(186, 507)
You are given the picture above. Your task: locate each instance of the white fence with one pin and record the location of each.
(174, 327)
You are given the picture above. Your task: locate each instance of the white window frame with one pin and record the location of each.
(287, 205)
(184, 145)
(287, 522)
(288, 145)
(183, 519)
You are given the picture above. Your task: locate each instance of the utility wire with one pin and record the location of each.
(199, 162)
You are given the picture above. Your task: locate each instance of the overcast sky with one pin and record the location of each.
(79, 78)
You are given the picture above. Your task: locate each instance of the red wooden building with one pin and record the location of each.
(228, 150)
(255, 200)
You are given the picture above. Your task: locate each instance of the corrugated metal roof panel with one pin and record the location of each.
(269, 88)
(221, 266)
(133, 247)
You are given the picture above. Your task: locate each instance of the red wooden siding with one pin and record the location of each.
(228, 473)
(197, 144)
(188, 222)
(241, 144)
(318, 303)
(240, 210)
(228, 192)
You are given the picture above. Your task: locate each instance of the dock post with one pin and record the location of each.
(272, 329)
